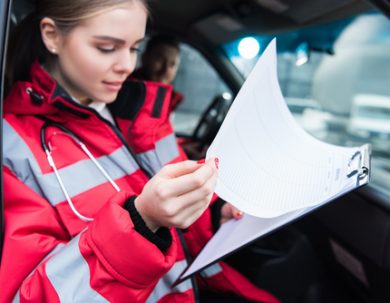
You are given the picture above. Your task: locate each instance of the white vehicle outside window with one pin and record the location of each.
(370, 121)
(344, 67)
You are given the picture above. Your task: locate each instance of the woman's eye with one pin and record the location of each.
(135, 50)
(106, 49)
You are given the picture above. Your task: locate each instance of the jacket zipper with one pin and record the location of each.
(149, 176)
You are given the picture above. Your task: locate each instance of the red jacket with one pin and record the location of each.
(50, 255)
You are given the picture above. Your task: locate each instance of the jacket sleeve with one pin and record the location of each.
(107, 262)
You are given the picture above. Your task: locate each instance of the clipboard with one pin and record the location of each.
(360, 164)
(295, 175)
(359, 168)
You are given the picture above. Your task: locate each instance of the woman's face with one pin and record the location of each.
(162, 63)
(97, 56)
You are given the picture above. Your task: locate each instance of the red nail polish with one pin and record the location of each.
(239, 214)
(216, 160)
(201, 161)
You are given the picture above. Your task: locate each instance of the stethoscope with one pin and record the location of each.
(48, 150)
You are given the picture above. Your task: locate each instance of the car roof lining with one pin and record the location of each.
(225, 20)
(219, 21)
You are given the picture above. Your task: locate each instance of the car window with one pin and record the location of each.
(197, 80)
(334, 78)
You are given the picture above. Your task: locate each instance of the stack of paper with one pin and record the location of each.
(270, 168)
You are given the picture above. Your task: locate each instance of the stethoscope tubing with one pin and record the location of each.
(51, 162)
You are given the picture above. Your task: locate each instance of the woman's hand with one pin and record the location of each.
(178, 194)
(228, 212)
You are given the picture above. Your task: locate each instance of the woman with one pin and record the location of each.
(159, 63)
(85, 219)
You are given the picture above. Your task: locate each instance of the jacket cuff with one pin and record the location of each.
(162, 238)
(123, 251)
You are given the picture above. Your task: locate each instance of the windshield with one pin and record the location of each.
(334, 78)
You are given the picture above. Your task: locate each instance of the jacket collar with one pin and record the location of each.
(42, 95)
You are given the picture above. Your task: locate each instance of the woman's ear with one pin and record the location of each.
(51, 35)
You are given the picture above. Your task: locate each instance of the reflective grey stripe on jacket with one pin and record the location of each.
(164, 286)
(53, 252)
(82, 175)
(212, 270)
(166, 151)
(69, 275)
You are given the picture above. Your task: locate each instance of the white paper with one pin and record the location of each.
(268, 165)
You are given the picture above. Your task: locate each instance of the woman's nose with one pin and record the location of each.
(126, 62)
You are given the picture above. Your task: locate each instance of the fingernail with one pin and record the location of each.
(239, 214)
(216, 160)
(201, 161)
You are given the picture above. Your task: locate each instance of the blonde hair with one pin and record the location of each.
(68, 14)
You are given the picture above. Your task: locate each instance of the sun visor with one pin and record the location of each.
(219, 27)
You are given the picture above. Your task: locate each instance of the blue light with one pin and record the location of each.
(248, 48)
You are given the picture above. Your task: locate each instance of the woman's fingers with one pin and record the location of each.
(178, 169)
(192, 181)
(178, 194)
(203, 193)
(185, 205)
(188, 215)
(228, 211)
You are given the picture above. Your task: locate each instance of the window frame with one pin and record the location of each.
(5, 13)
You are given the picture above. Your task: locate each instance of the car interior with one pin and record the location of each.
(341, 251)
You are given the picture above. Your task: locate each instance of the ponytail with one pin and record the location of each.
(25, 46)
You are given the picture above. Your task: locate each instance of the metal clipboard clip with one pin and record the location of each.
(359, 165)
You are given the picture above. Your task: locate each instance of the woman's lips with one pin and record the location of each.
(113, 86)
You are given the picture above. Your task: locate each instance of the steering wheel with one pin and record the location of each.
(211, 120)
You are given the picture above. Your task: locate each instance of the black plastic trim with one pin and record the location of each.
(5, 13)
(158, 102)
(383, 5)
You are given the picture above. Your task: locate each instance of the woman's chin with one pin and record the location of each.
(107, 98)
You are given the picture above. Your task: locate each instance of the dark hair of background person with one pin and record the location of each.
(161, 39)
(26, 45)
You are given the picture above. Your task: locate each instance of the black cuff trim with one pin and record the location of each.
(216, 213)
(162, 238)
